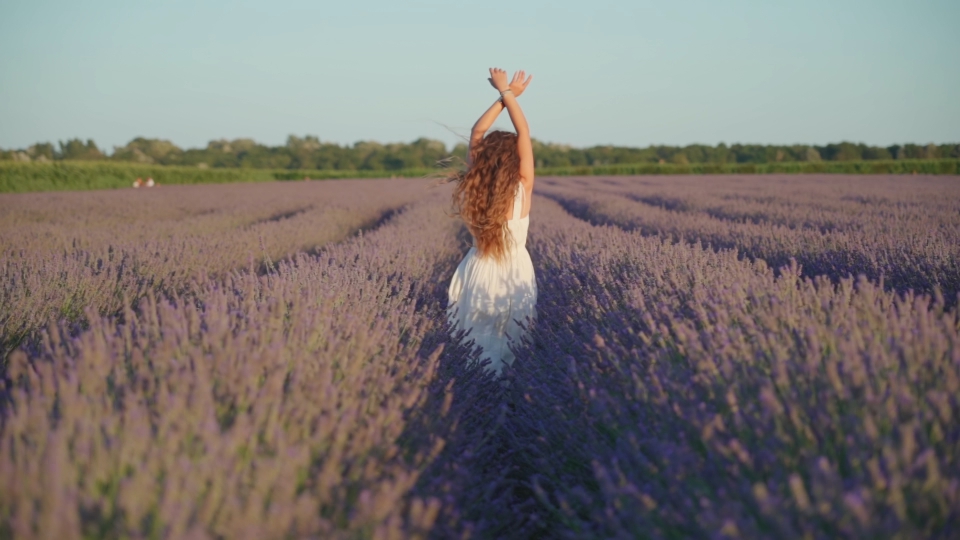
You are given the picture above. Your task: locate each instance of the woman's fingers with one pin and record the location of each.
(499, 77)
(520, 79)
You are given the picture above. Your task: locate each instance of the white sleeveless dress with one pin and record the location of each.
(492, 299)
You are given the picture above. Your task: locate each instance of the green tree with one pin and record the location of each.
(844, 151)
(41, 152)
(680, 159)
(911, 151)
(812, 155)
(76, 149)
(143, 150)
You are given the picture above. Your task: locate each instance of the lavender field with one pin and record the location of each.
(714, 357)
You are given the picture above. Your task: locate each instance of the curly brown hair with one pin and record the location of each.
(485, 191)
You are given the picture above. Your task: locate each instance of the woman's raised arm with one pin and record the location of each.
(509, 93)
(481, 127)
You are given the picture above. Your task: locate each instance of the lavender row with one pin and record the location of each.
(672, 391)
(905, 232)
(824, 203)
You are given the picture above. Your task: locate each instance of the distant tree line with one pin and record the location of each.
(310, 152)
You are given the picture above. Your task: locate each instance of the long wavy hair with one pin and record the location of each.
(486, 190)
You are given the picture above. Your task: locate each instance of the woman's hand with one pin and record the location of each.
(498, 78)
(518, 84)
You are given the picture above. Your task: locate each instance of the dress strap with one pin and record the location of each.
(518, 202)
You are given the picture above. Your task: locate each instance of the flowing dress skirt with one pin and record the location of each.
(493, 300)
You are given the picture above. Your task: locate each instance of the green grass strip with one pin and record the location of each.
(18, 177)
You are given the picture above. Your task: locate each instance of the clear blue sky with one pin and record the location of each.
(624, 72)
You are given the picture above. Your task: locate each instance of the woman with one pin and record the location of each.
(494, 291)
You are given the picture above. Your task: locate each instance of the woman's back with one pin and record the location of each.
(493, 293)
